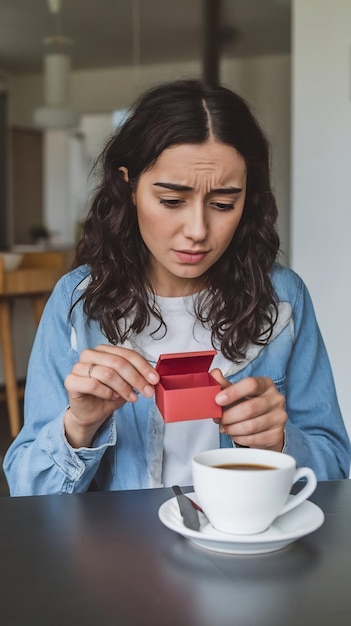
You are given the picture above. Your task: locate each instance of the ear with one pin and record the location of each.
(124, 172)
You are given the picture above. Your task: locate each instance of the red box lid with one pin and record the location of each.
(185, 362)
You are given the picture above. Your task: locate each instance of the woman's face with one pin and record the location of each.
(189, 205)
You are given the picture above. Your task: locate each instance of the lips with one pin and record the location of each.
(191, 257)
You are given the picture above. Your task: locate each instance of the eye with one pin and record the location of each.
(171, 203)
(223, 206)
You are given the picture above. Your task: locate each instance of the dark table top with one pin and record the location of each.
(105, 559)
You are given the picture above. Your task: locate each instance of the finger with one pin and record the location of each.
(140, 364)
(77, 386)
(269, 439)
(114, 371)
(124, 382)
(246, 409)
(256, 415)
(253, 426)
(219, 378)
(243, 389)
(111, 354)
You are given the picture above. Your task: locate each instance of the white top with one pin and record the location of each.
(182, 440)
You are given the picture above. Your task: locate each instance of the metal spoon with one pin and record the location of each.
(188, 509)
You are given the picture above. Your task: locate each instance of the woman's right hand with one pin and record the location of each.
(101, 381)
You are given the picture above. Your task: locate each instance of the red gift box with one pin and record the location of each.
(186, 390)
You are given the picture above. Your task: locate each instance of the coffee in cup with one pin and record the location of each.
(243, 490)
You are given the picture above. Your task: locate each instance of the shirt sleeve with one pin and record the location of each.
(40, 460)
(315, 433)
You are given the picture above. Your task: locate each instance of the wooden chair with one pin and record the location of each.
(34, 278)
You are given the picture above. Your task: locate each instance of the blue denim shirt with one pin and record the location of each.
(127, 450)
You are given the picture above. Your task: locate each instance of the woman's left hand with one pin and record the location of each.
(254, 412)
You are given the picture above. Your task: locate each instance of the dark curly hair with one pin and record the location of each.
(239, 302)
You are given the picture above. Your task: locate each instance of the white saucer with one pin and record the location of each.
(287, 528)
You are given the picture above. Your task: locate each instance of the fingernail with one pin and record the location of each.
(148, 391)
(153, 377)
(133, 396)
(222, 397)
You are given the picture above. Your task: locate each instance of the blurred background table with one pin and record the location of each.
(34, 278)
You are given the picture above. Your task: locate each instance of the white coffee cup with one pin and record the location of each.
(247, 501)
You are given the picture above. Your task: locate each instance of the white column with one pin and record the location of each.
(321, 173)
(57, 212)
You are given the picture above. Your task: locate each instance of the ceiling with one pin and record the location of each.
(109, 33)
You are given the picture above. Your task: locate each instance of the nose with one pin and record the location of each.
(196, 226)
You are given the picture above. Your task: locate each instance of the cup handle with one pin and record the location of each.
(306, 491)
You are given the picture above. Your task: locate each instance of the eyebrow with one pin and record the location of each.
(175, 187)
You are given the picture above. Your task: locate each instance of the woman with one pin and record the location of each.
(178, 254)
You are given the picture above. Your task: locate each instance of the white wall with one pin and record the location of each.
(265, 82)
(321, 173)
(56, 199)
